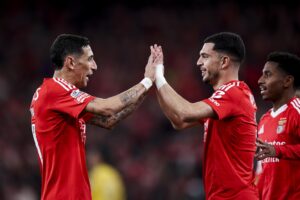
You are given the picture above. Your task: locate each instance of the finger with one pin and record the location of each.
(152, 49)
(262, 157)
(263, 146)
(259, 141)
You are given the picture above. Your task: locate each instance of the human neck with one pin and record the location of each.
(225, 78)
(284, 99)
(64, 75)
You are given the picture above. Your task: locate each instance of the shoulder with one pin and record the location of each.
(234, 87)
(61, 85)
(58, 87)
(236, 90)
(295, 106)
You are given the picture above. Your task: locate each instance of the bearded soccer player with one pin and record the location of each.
(228, 117)
(60, 111)
(279, 129)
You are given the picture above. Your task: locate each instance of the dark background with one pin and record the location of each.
(155, 161)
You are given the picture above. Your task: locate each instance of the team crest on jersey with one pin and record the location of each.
(281, 125)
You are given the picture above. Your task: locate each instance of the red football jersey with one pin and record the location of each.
(280, 177)
(59, 134)
(230, 144)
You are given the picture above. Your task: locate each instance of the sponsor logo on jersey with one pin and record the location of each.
(270, 160)
(273, 159)
(214, 101)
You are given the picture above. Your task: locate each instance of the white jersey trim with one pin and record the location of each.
(296, 104)
(67, 86)
(70, 86)
(278, 111)
(61, 84)
(36, 142)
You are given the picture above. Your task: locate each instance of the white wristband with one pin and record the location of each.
(147, 83)
(159, 79)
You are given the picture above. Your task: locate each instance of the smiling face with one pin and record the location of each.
(272, 82)
(84, 65)
(210, 63)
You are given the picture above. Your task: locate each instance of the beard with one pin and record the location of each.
(211, 78)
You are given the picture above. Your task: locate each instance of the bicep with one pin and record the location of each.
(193, 114)
(198, 111)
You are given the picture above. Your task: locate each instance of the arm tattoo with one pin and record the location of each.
(127, 96)
(111, 121)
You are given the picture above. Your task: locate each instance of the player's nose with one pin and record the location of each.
(260, 80)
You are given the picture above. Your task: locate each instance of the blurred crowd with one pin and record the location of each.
(154, 161)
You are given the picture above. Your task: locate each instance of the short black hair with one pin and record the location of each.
(66, 44)
(288, 62)
(229, 43)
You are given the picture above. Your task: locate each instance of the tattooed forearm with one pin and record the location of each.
(100, 120)
(129, 95)
(110, 121)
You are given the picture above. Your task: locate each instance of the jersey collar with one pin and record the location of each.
(278, 111)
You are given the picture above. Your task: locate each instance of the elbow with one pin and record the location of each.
(178, 123)
(111, 126)
(177, 127)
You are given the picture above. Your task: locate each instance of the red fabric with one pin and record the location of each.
(59, 132)
(230, 144)
(280, 178)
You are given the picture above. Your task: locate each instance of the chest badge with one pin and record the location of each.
(281, 125)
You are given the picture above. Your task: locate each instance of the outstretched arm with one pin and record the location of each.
(178, 110)
(108, 112)
(110, 121)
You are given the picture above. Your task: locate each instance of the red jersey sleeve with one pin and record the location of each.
(288, 152)
(223, 103)
(291, 151)
(71, 102)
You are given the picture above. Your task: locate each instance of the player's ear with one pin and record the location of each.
(70, 62)
(225, 61)
(288, 81)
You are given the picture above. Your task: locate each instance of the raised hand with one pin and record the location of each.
(157, 53)
(150, 66)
